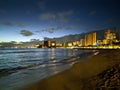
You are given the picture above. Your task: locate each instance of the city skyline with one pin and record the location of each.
(108, 38)
(28, 19)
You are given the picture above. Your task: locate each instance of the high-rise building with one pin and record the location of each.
(49, 44)
(109, 35)
(90, 39)
(82, 42)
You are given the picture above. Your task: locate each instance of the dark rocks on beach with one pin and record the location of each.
(107, 80)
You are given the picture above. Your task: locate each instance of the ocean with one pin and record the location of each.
(20, 67)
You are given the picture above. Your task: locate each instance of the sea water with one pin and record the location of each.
(20, 67)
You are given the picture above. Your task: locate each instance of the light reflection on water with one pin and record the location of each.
(30, 65)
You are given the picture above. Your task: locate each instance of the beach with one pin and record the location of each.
(99, 72)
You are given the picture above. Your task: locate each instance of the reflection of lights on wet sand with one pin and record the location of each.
(54, 68)
(74, 60)
(96, 53)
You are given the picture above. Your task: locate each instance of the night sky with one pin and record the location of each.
(22, 20)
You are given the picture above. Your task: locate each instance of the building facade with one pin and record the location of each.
(90, 39)
(82, 42)
(109, 36)
(49, 44)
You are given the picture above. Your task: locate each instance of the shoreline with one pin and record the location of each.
(80, 75)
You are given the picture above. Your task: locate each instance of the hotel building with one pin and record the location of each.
(90, 39)
(82, 42)
(50, 44)
(109, 36)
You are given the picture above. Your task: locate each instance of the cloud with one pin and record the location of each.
(92, 13)
(26, 33)
(8, 23)
(65, 13)
(47, 16)
(63, 16)
(54, 29)
(50, 30)
(64, 20)
(75, 27)
(21, 24)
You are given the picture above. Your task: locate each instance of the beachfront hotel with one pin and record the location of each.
(90, 39)
(109, 35)
(109, 38)
(49, 44)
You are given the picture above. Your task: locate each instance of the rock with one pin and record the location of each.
(107, 83)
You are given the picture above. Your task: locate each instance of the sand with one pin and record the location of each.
(92, 74)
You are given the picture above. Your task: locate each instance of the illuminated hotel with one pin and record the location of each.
(90, 39)
(49, 44)
(109, 35)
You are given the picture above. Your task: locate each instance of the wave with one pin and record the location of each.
(46, 62)
(7, 71)
(52, 62)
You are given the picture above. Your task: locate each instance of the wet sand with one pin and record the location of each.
(94, 74)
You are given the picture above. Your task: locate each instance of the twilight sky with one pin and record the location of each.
(22, 20)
